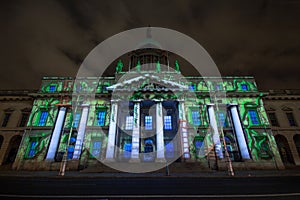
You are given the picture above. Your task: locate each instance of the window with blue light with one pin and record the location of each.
(222, 119)
(76, 120)
(129, 123)
(148, 122)
(127, 150)
(192, 88)
(31, 152)
(219, 87)
(170, 150)
(244, 87)
(198, 145)
(168, 122)
(253, 117)
(96, 148)
(196, 117)
(43, 118)
(101, 118)
(52, 88)
(71, 149)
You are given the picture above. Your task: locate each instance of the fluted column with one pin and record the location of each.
(160, 153)
(81, 131)
(56, 134)
(214, 126)
(135, 145)
(239, 132)
(110, 150)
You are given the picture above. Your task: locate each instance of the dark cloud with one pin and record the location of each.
(51, 38)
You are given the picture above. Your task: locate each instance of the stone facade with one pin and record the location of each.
(283, 108)
(15, 108)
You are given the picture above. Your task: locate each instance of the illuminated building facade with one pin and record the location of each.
(154, 116)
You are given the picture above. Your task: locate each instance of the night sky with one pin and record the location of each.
(52, 38)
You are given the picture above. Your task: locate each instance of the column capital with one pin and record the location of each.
(137, 100)
(210, 104)
(114, 100)
(85, 105)
(158, 100)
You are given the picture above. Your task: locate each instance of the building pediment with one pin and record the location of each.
(147, 82)
(285, 108)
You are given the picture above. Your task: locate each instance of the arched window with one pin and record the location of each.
(1, 141)
(284, 149)
(12, 149)
(297, 143)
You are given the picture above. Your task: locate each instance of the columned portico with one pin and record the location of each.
(214, 126)
(81, 131)
(56, 134)
(160, 153)
(136, 133)
(239, 132)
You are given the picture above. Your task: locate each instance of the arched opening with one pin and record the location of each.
(1, 141)
(12, 149)
(284, 150)
(297, 143)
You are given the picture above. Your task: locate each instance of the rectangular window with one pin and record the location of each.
(273, 119)
(222, 119)
(168, 122)
(43, 118)
(127, 150)
(219, 87)
(6, 119)
(52, 88)
(76, 120)
(96, 149)
(129, 123)
(253, 117)
(23, 120)
(101, 118)
(192, 87)
(196, 117)
(31, 151)
(291, 119)
(148, 122)
(244, 87)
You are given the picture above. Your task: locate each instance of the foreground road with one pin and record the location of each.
(286, 187)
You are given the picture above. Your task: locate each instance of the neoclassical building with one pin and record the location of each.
(15, 108)
(283, 108)
(148, 114)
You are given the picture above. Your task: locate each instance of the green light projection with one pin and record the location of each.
(240, 90)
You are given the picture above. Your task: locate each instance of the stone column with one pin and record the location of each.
(81, 131)
(110, 150)
(160, 153)
(135, 145)
(183, 131)
(214, 126)
(239, 132)
(56, 134)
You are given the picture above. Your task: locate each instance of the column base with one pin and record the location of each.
(160, 160)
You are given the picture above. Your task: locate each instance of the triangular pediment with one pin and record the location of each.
(285, 108)
(270, 109)
(148, 82)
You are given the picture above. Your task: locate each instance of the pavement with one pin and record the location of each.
(79, 174)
